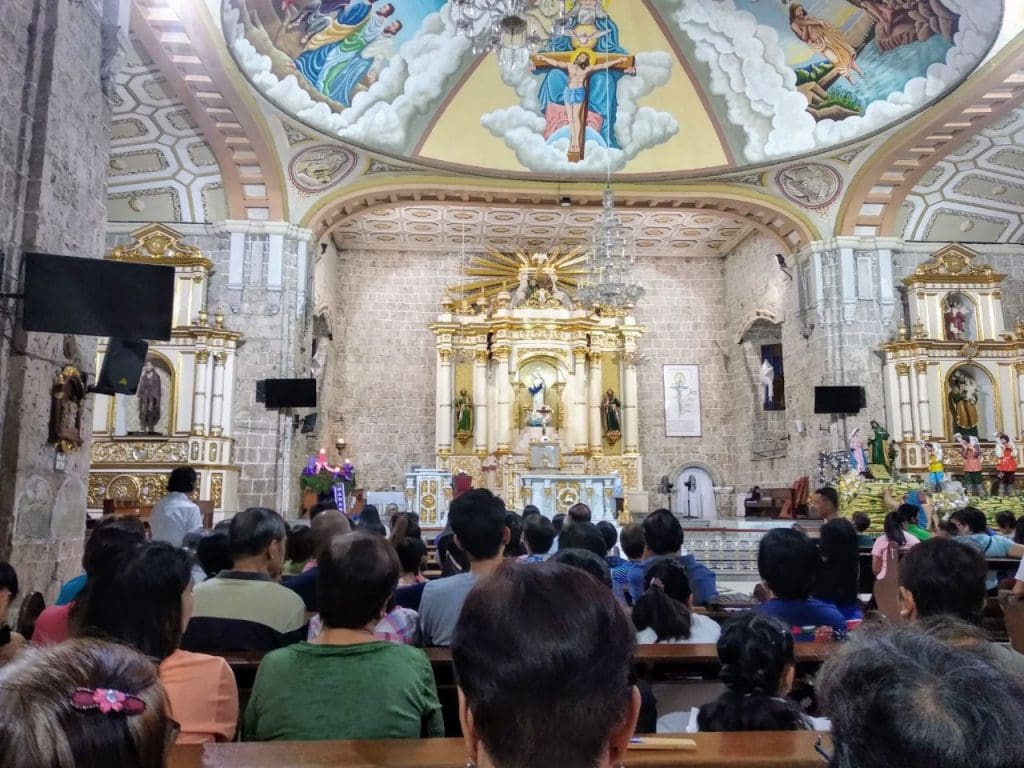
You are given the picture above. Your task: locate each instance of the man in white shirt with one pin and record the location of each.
(175, 514)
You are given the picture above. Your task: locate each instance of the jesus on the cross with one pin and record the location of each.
(579, 65)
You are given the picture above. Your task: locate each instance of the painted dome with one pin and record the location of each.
(643, 88)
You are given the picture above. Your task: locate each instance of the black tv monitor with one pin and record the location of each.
(839, 399)
(290, 393)
(96, 297)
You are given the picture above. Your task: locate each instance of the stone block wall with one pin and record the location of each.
(54, 138)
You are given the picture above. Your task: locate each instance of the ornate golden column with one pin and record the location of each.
(923, 405)
(906, 410)
(217, 396)
(444, 424)
(594, 405)
(480, 360)
(578, 404)
(200, 386)
(504, 387)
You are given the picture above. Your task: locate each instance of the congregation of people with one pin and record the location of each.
(543, 618)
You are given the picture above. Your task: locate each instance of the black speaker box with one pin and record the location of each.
(122, 367)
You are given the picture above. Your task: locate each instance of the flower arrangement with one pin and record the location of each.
(321, 478)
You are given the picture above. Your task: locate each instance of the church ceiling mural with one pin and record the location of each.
(646, 88)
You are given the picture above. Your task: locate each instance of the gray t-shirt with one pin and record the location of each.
(440, 607)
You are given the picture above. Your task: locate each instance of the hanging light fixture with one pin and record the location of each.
(513, 29)
(611, 283)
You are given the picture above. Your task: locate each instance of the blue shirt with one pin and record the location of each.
(989, 546)
(804, 613)
(70, 590)
(702, 578)
(305, 586)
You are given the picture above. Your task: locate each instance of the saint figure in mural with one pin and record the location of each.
(570, 95)
(148, 395)
(825, 38)
(963, 401)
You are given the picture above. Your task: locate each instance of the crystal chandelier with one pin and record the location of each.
(513, 29)
(610, 284)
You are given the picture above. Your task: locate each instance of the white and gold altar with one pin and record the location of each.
(182, 413)
(536, 394)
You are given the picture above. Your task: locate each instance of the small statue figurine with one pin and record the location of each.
(936, 469)
(878, 440)
(858, 458)
(1006, 465)
(955, 321)
(970, 449)
(463, 416)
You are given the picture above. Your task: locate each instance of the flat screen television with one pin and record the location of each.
(839, 399)
(290, 393)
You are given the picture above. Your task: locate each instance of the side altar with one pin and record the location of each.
(537, 393)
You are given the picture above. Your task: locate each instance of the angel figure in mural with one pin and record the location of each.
(463, 413)
(825, 38)
(611, 413)
(956, 320)
(963, 402)
(858, 456)
(148, 394)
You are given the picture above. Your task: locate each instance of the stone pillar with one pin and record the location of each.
(594, 405)
(578, 419)
(200, 386)
(444, 401)
(217, 396)
(923, 406)
(480, 402)
(906, 410)
(630, 409)
(504, 387)
(1019, 368)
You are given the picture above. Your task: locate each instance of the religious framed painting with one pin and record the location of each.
(682, 400)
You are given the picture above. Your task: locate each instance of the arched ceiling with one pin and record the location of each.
(507, 228)
(714, 86)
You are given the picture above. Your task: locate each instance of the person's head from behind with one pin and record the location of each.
(861, 521)
(525, 652)
(666, 602)
(182, 480)
(8, 589)
(788, 563)
(411, 555)
(83, 704)
(837, 578)
(539, 534)
(1018, 532)
(146, 604)
(404, 526)
(477, 519)
(583, 536)
(109, 538)
(559, 522)
(632, 541)
(610, 535)
(758, 667)
(300, 544)
(325, 527)
(663, 535)
(907, 514)
(826, 502)
(579, 513)
(214, 553)
(514, 523)
(529, 511)
(357, 575)
(901, 697)
(969, 520)
(258, 537)
(369, 520)
(585, 560)
(319, 508)
(1006, 522)
(940, 577)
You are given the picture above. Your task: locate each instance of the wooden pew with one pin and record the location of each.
(776, 749)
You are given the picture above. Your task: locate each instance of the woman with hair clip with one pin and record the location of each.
(895, 533)
(664, 612)
(758, 667)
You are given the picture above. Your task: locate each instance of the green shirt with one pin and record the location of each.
(918, 532)
(375, 690)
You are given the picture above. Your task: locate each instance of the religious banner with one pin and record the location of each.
(682, 400)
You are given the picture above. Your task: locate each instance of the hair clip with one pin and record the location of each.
(107, 700)
(658, 583)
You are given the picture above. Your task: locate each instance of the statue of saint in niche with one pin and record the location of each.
(149, 395)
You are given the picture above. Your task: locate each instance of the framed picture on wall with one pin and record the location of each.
(682, 400)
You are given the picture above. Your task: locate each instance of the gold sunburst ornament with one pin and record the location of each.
(493, 272)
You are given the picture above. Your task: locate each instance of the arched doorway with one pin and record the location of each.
(694, 494)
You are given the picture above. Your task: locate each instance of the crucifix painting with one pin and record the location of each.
(581, 71)
(682, 400)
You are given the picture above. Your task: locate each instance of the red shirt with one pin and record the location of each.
(52, 625)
